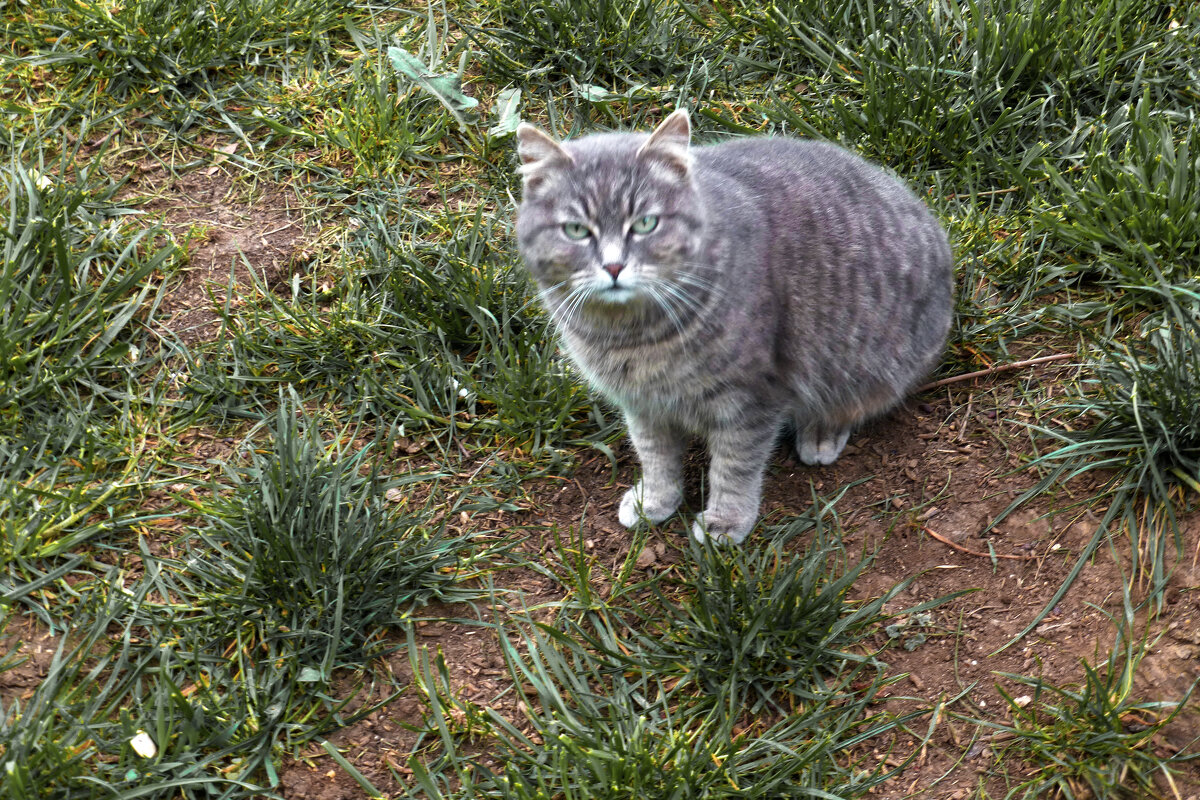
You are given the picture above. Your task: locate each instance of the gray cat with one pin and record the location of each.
(729, 290)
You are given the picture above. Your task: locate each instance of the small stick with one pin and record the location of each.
(983, 194)
(1031, 362)
(970, 552)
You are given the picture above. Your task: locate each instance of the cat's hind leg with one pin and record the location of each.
(660, 491)
(818, 443)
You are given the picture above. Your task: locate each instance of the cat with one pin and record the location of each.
(730, 291)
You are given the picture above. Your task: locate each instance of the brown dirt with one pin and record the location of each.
(943, 465)
(228, 226)
(35, 652)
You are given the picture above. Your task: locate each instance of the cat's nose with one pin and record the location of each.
(614, 269)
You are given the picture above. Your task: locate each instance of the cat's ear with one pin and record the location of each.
(670, 142)
(538, 152)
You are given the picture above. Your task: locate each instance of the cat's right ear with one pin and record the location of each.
(538, 152)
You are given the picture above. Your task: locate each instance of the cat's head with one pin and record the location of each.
(610, 224)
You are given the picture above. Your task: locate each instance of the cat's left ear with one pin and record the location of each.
(670, 142)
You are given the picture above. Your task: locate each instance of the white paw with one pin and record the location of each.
(823, 450)
(721, 529)
(653, 508)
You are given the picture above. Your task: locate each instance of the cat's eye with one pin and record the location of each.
(644, 224)
(576, 230)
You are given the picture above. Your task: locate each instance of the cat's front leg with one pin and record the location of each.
(738, 458)
(660, 449)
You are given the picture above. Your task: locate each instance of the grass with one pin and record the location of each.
(77, 279)
(1131, 218)
(233, 542)
(1134, 421)
(587, 42)
(765, 627)
(616, 713)
(303, 533)
(1094, 739)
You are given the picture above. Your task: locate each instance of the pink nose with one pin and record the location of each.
(614, 269)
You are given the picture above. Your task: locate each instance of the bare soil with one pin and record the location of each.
(931, 478)
(942, 465)
(229, 228)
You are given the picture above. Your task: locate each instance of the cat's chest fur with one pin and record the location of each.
(672, 381)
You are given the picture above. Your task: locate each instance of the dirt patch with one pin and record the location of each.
(228, 227)
(31, 648)
(942, 465)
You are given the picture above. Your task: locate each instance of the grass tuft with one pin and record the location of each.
(1136, 421)
(766, 624)
(1094, 739)
(173, 48)
(75, 282)
(306, 534)
(1131, 216)
(968, 90)
(105, 684)
(605, 727)
(608, 42)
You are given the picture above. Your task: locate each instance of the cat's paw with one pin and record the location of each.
(654, 507)
(722, 528)
(820, 446)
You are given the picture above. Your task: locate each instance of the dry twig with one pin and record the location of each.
(1030, 362)
(971, 552)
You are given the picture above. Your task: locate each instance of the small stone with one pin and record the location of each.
(646, 558)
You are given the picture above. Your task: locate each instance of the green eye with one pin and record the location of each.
(644, 224)
(576, 230)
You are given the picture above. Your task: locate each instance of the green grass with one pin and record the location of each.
(231, 538)
(754, 686)
(429, 319)
(582, 42)
(303, 532)
(1131, 215)
(1134, 421)
(77, 279)
(764, 627)
(1094, 739)
(971, 91)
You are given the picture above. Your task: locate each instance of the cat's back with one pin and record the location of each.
(802, 170)
(852, 264)
(823, 205)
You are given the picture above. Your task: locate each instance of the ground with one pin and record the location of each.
(926, 467)
(916, 493)
(258, 304)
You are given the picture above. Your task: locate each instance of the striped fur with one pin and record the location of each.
(786, 282)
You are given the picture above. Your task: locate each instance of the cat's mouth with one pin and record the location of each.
(615, 293)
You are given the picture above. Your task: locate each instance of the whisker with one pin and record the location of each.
(562, 308)
(577, 297)
(542, 296)
(685, 300)
(664, 301)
